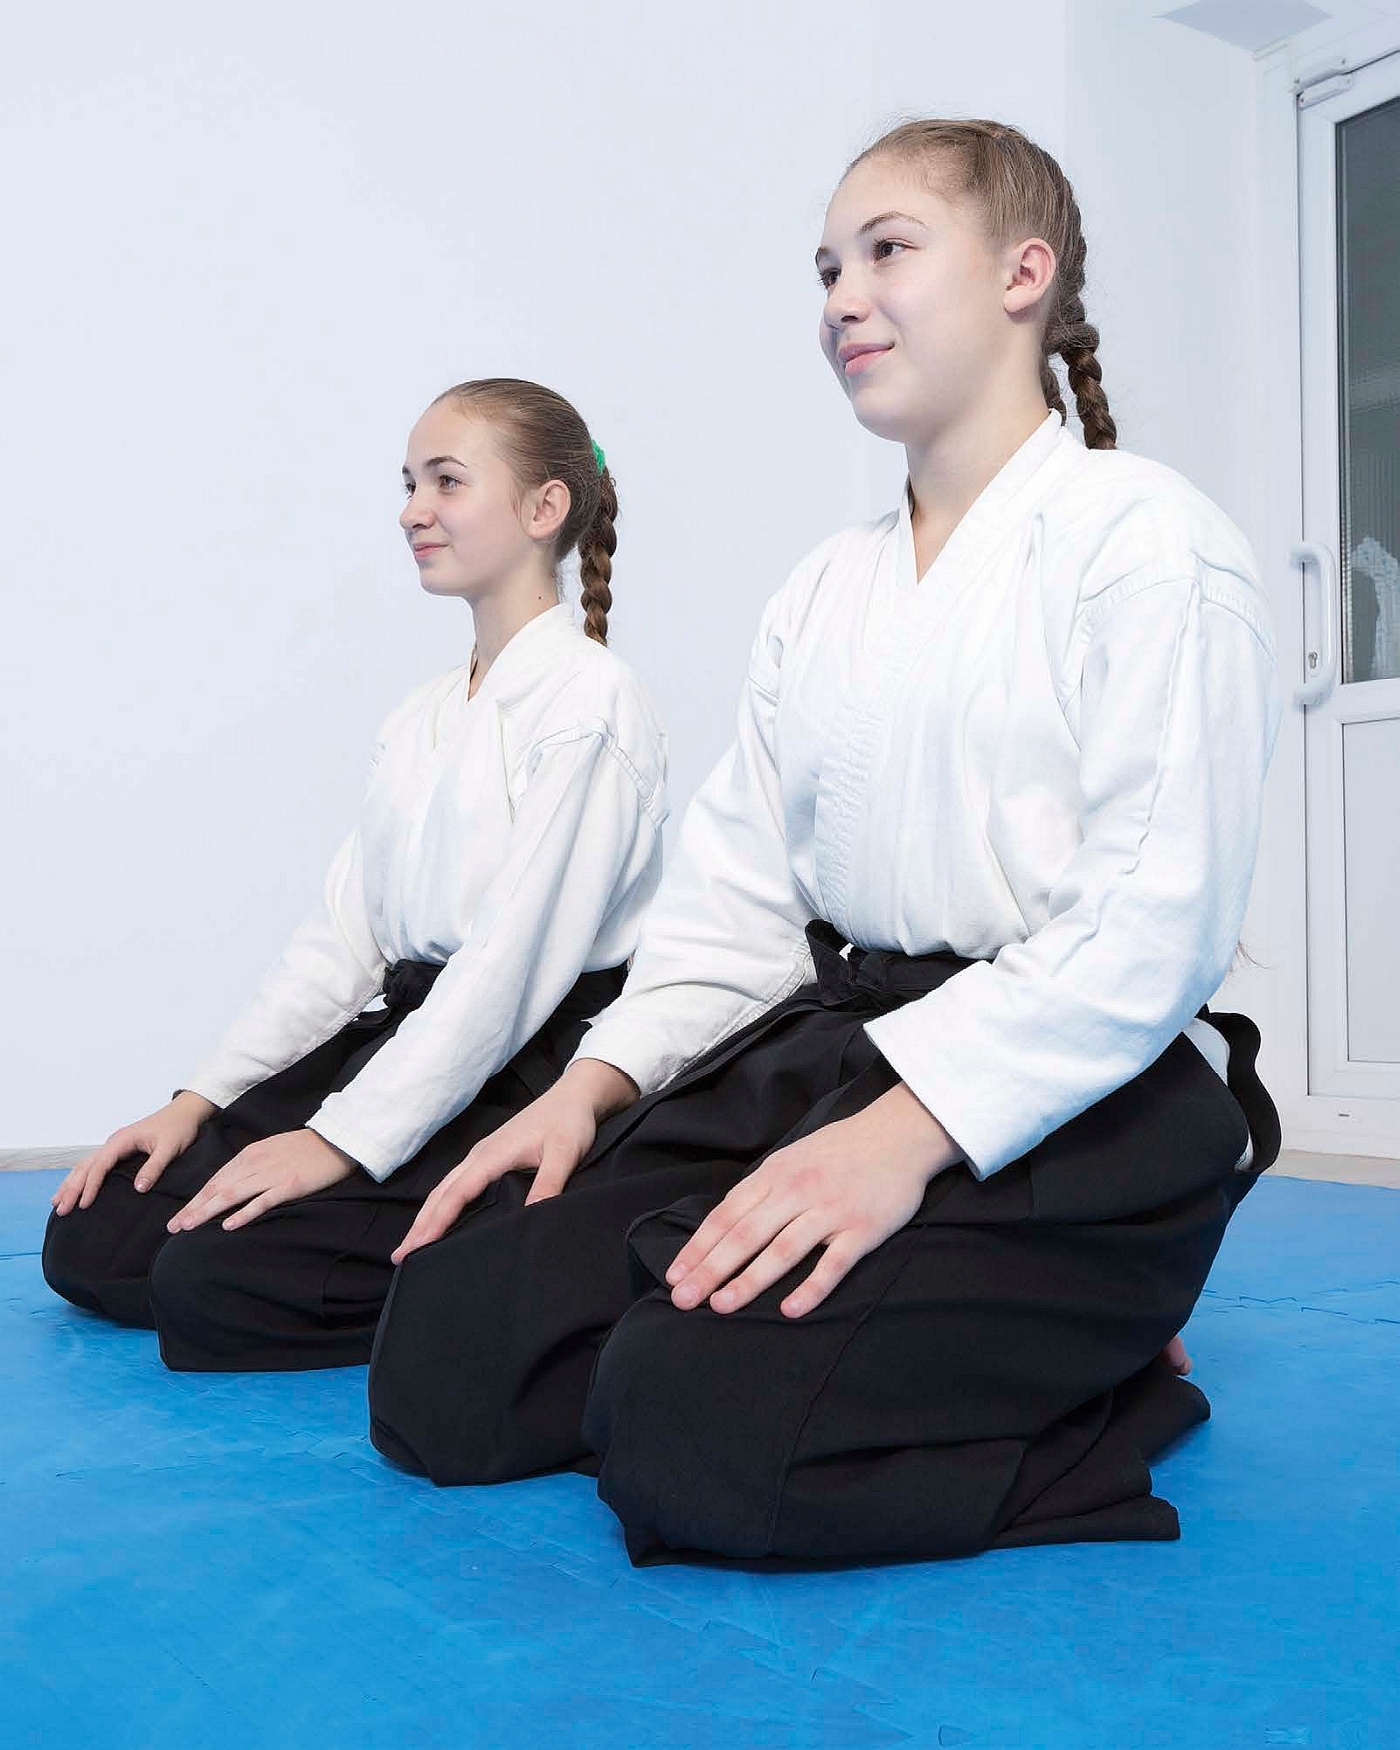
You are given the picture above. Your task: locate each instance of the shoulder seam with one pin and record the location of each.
(646, 794)
(1230, 601)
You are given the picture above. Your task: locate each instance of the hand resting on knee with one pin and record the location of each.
(276, 1169)
(552, 1135)
(160, 1136)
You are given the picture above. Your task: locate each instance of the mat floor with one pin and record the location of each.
(201, 1561)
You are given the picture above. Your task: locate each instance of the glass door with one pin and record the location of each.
(1349, 187)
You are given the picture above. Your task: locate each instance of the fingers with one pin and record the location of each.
(85, 1181)
(743, 1242)
(224, 1191)
(96, 1173)
(79, 1190)
(768, 1246)
(746, 1195)
(783, 1253)
(157, 1161)
(557, 1162)
(71, 1189)
(260, 1204)
(444, 1204)
(1176, 1357)
(835, 1263)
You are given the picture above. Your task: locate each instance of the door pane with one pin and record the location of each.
(1371, 822)
(1368, 242)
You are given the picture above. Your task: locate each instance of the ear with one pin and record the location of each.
(548, 508)
(1029, 268)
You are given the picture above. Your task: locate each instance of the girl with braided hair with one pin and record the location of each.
(861, 1221)
(508, 842)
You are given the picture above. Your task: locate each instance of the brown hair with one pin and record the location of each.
(542, 437)
(1021, 192)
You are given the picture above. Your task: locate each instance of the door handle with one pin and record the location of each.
(1321, 660)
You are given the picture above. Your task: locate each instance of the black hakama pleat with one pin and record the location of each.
(986, 1377)
(303, 1285)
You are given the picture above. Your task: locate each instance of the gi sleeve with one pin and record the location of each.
(1177, 716)
(584, 840)
(725, 937)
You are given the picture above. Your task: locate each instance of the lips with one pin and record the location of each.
(858, 358)
(431, 547)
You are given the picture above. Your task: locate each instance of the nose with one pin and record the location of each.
(845, 304)
(414, 515)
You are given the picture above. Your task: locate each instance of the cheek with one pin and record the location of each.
(452, 518)
(462, 520)
(483, 532)
(939, 324)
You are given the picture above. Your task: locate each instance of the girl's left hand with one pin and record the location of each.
(847, 1187)
(276, 1170)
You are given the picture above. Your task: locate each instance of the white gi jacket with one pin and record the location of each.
(1047, 754)
(513, 838)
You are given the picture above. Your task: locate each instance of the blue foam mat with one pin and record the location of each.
(213, 1560)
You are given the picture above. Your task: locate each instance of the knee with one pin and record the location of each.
(67, 1259)
(97, 1258)
(189, 1300)
(682, 1462)
(439, 1388)
(401, 1419)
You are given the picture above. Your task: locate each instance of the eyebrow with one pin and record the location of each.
(434, 462)
(871, 224)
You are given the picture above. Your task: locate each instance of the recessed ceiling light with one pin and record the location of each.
(1248, 24)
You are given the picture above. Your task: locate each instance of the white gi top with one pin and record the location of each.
(1047, 754)
(513, 838)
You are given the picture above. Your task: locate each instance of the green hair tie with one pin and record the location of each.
(599, 458)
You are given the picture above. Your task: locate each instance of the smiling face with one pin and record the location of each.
(466, 519)
(918, 321)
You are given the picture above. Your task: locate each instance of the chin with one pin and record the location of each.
(896, 424)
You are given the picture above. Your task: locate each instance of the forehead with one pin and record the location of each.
(881, 185)
(446, 430)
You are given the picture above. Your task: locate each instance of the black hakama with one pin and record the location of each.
(303, 1285)
(988, 1376)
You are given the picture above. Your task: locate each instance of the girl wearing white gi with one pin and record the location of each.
(936, 1142)
(490, 894)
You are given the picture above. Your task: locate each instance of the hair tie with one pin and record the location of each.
(599, 458)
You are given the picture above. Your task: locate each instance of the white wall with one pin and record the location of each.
(1160, 133)
(246, 249)
(254, 248)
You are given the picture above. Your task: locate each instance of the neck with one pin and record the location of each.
(501, 611)
(951, 467)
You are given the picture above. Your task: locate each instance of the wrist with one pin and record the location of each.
(346, 1160)
(606, 1089)
(920, 1132)
(195, 1104)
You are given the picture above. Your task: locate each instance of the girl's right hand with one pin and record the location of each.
(160, 1137)
(552, 1135)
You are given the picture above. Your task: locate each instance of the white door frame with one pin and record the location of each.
(1344, 1119)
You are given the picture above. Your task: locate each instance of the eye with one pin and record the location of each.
(826, 277)
(446, 482)
(408, 489)
(887, 243)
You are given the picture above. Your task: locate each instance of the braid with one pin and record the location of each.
(1077, 341)
(596, 549)
(1050, 388)
(1070, 334)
